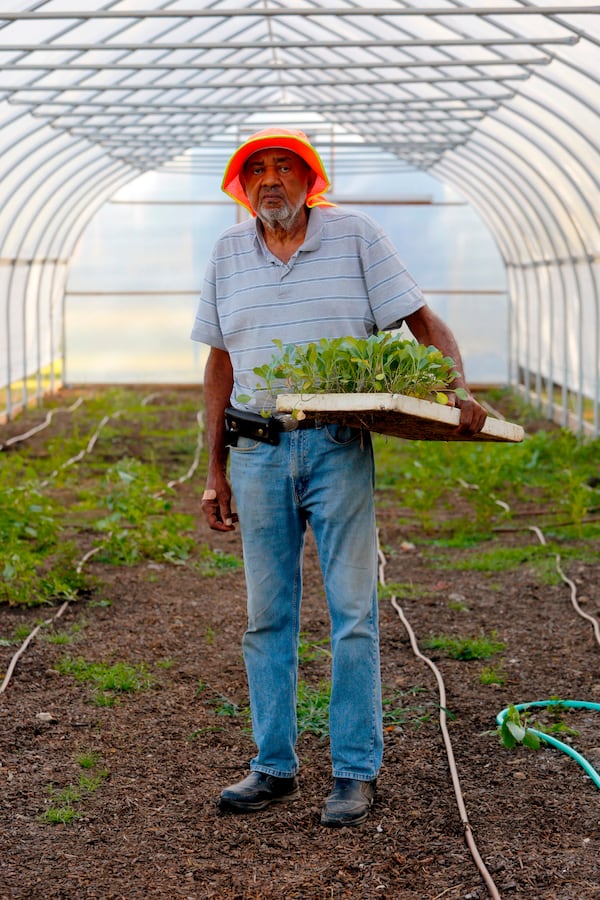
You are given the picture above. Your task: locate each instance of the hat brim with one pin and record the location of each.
(232, 184)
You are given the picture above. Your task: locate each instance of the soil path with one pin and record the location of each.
(147, 822)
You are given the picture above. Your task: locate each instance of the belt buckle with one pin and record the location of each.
(287, 422)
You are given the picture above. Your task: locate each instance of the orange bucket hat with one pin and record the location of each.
(271, 138)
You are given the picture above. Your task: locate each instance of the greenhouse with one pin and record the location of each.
(371, 589)
(495, 102)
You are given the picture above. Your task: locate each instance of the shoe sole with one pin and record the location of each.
(332, 822)
(239, 806)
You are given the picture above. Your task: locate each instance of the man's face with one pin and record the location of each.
(276, 183)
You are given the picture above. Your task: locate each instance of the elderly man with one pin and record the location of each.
(300, 270)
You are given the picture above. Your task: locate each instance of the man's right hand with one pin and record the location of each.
(216, 506)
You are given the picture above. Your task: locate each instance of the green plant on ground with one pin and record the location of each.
(63, 810)
(87, 759)
(36, 566)
(312, 708)
(140, 523)
(165, 664)
(458, 605)
(492, 675)
(396, 715)
(216, 562)
(60, 815)
(554, 470)
(465, 648)
(540, 557)
(108, 680)
(20, 634)
(64, 637)
(309, 650)
(401, 590)
(515, 729)
(223, 705)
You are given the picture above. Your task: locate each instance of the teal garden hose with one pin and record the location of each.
(548, 739)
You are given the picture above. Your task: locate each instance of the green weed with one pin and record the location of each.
(63, 810)
(140, 524)
(309, 650)
(60, 815)
(540, 557)
(465, 648)
(312, 708)
(515, 729)
(223, 705)
(64, 637)
(396, 715)
(491, 675)
(88, 759)
(401, 590)
(108, 680)
(217, 562)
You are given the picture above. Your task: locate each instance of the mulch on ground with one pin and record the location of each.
(150, 827)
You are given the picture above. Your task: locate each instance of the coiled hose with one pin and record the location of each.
(548, 739)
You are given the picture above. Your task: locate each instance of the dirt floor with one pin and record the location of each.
(147, 823)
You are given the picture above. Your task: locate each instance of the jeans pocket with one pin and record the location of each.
(245, 445)
(342, 434)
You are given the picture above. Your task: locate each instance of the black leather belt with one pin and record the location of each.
(241, 423)
(289, 423)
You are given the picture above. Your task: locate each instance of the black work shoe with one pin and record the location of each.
(257, 791)
(348, 803)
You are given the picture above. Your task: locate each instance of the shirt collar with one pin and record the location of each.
(312, 239)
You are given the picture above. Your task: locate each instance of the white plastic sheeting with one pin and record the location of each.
(498, 99)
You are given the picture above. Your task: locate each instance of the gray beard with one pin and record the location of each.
(284, 217)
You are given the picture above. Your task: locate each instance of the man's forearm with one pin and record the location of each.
(218, 383)
(429, 329)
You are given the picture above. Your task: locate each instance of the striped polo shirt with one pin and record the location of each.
(345, 280)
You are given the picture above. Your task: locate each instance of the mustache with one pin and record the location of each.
(271, 192)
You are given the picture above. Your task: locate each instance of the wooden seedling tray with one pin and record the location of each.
(397, 415)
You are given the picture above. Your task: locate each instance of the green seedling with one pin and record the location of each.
(309, 650)
(22, 632)
(223, 705)
(108, 680)
(397, 716)
(140, 523)
(465, 648)
(458, 606)
(491, 675)
(60, 815)
(515, 730)
(64, 637)
(63, 811)
(401, 590)
(88, 759)
(217, 562)
(312, 708)
(355, 365)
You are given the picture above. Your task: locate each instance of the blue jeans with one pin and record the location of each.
(322, 477)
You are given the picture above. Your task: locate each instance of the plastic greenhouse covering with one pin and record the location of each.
(498, 99)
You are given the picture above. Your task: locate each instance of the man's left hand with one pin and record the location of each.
(472, 415)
